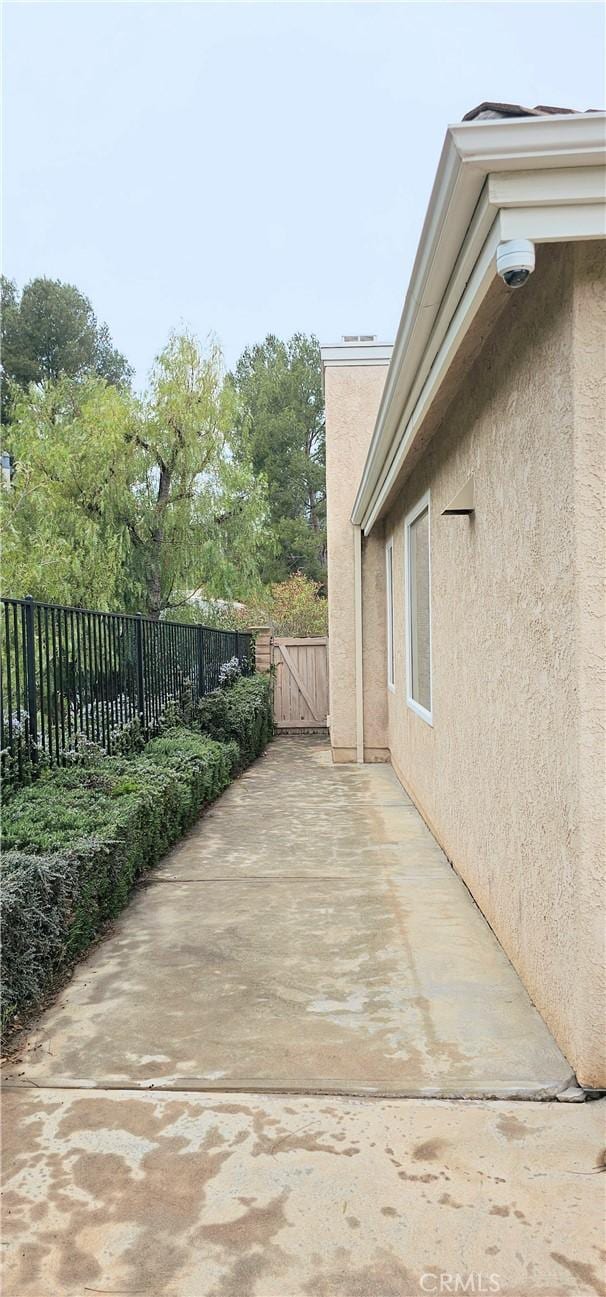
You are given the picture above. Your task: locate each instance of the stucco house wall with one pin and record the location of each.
(352, 393)
(510, 775)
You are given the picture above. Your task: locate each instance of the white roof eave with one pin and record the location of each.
(459, 211)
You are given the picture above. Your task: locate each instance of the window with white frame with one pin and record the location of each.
(391, 666)
(418, 609)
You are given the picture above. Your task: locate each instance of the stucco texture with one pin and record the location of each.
(510, 776)
(352, 394)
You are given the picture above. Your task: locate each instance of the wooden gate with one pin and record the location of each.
(301, 683)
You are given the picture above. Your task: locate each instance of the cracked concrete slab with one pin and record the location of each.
(181, 1195)
(309, 935)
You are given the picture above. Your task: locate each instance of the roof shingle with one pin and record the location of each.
(489, 110)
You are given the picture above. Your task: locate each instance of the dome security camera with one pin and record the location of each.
(515, 261)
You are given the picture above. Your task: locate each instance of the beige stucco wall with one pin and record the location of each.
(510, 775)
(589, 395)
(352, 395)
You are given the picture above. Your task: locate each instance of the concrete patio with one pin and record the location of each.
(306, 987)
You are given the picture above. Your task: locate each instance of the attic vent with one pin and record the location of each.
(359, 337)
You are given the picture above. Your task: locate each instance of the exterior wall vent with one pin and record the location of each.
(464, 500)
(359, 337)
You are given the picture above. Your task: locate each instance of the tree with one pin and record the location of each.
(52, 331)
(296, 607)
(281, 430)
(196, 519)
(62, 540)
(292, 607)
(122, 503)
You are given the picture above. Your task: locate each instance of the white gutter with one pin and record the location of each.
(462, 213)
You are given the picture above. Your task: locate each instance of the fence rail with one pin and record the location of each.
(72, 675)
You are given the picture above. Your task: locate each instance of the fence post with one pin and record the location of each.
(263, 640)
(200, 661)
(139, 668)
(237, 633)
(32, 701)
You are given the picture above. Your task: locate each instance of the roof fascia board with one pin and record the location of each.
(559, 186)
(514, 144)
(453, 199)
(479, 283)
(555, 224)
(472, 151)
(478, 232)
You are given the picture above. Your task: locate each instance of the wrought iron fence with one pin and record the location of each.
(71, 676)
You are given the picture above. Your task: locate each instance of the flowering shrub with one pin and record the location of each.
(82, 751)
(229, 672)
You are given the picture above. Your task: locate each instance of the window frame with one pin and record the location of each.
(423, 504)
(389, 593)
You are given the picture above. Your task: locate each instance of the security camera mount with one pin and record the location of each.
(515, 261)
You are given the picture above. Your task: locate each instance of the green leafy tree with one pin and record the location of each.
(50, 331)
(292, 607)
(296, 607)
(121, 503)
(62, 540)
(196, 518)
(281, 430)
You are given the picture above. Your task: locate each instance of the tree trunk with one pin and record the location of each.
(154, 595)
(154, 580)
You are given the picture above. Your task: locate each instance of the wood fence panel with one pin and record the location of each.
(301, 683)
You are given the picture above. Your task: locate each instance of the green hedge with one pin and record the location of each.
(76, 840)
(241, 714)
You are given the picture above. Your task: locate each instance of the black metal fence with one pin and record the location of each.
(71, 677)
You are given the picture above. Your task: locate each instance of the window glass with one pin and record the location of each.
(419, 604)
(390, 639)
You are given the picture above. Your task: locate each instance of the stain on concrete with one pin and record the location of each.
(162, 1194)
(582, 1272)
(429, 1150)
(388, 1278)
(512, 1127)
(255, 1227)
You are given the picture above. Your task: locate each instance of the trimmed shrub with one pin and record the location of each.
(240, 714)
(77, 839)
(38, 901)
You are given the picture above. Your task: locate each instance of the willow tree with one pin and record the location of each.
(195, 515)
(61, 538)
(127, 503)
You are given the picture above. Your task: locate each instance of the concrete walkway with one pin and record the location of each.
(308, 938)
(308, 935)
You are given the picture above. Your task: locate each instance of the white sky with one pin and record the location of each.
(247, 168)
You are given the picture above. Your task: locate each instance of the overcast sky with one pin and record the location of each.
(254, 168)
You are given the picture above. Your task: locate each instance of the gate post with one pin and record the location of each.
(263, 647)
